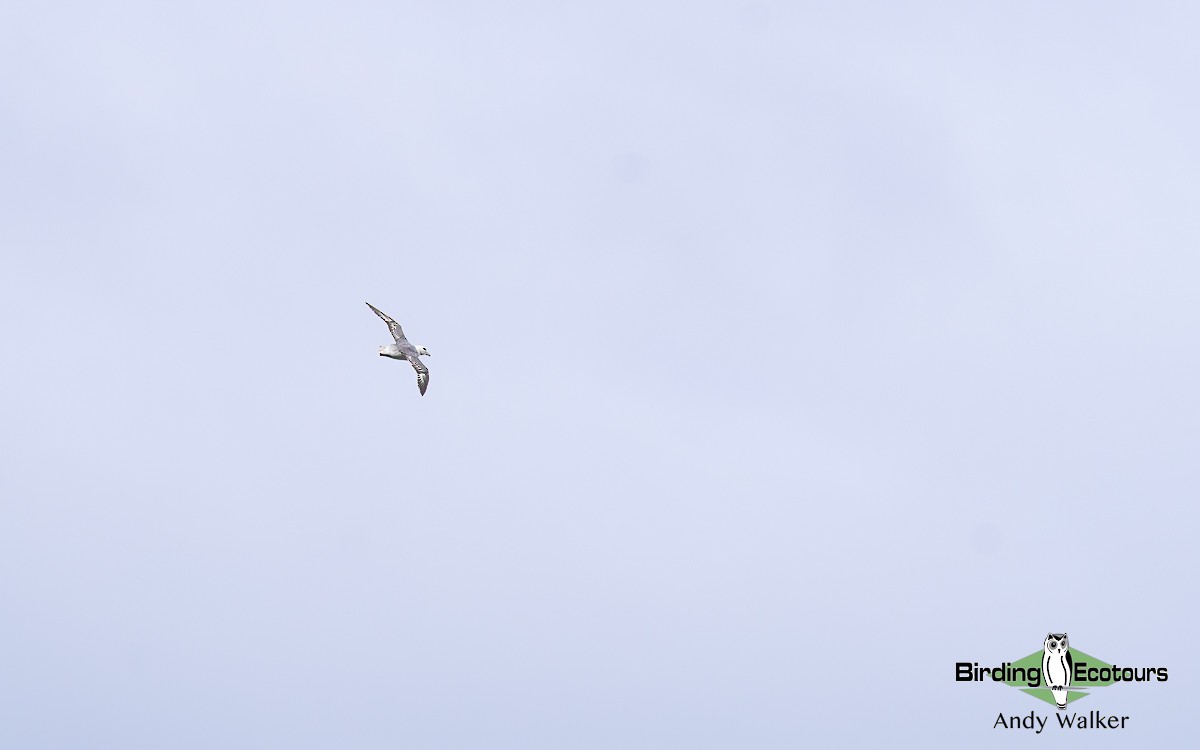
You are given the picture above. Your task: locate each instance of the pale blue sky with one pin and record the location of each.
(784, 354)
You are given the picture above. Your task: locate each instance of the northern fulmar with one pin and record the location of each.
(404, 350)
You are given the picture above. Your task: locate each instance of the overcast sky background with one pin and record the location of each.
(782, 356)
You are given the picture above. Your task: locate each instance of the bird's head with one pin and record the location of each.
(423, 351)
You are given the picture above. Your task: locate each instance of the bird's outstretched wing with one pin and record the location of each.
(393, 326)
(422, 372)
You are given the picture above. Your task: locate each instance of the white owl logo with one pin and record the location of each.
(1057, 667)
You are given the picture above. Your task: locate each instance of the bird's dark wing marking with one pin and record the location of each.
(393, 326)
(422, 372)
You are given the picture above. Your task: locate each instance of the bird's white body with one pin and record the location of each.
(393, 351)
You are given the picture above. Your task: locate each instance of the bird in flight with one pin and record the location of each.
(404, 350)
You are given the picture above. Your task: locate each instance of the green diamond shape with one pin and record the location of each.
(1034, 660)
